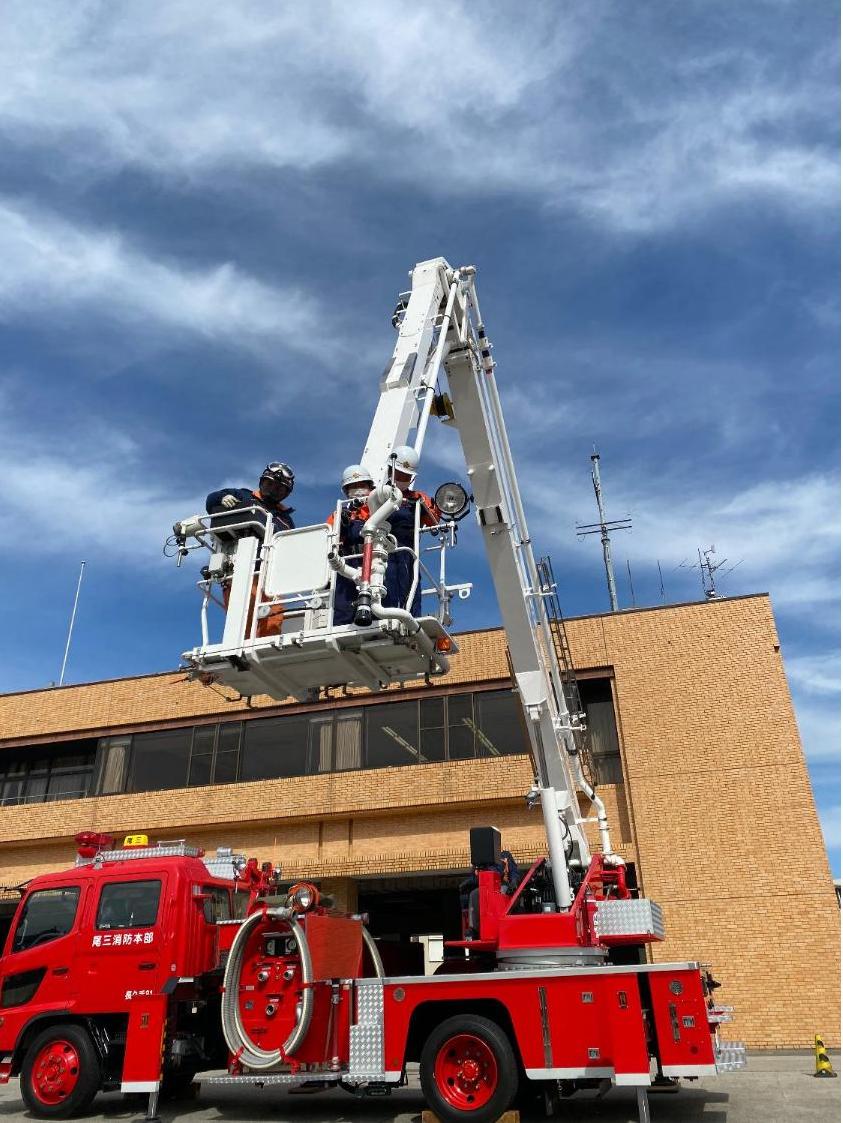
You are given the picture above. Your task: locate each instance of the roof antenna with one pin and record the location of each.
(709, 569)
(603, 528)
(72, 622)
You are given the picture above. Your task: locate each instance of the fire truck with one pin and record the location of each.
(145, 965)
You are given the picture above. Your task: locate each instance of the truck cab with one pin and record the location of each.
(124, 939)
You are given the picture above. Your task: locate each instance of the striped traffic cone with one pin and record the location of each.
(821, 1059)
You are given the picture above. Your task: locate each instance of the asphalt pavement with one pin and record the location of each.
(772, 1089)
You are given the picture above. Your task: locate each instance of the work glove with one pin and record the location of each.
(229, 501)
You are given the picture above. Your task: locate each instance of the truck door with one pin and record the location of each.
(40, 970)
(127, 954)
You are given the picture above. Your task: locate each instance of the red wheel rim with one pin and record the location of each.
(466, 1072)
(55, 1072)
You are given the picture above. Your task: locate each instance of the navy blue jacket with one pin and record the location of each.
(282, 516)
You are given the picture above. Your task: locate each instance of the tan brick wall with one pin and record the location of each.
(717, 811)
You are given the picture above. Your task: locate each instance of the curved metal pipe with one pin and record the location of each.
(374, 954)
(417, 632)
(382, 502)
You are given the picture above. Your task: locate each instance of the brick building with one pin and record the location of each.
(695, 747)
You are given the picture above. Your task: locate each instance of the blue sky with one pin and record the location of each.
(206, 212)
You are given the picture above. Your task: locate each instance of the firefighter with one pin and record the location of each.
(275, 484)
(356, 483)
(400, 570)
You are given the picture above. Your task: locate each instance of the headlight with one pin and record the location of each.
(302, 897)
(452, 500)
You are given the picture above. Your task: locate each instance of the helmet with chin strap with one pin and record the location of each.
(355, 475)
(277, 480)
(406, 461)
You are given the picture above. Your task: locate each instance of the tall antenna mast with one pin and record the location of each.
(72, 622)
(603, 528)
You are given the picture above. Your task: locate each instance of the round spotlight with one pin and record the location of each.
(452, 500)
(302, 896)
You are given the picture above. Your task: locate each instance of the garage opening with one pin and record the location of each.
(410, 917)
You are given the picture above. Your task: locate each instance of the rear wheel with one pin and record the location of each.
(468, 1070)
(61, 1072)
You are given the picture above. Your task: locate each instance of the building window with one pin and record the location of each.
(432, 738)
(160, 760)
(336, 741)
(596, 696)
(392, 734)
(227, 756)
(41, 774)
(499, 727)
(426, 730)
(461, 727)
(274, 746)
(112, 765)
(215, 754)
(456, 727)
(13, 783)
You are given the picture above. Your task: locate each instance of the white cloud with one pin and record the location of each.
(819, 726)
(785, 533)
(49, 263)
(815, 674)
(830, 821)
(592, 110)
(94, 490)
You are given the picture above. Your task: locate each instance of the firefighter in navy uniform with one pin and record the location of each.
(356, 483)
(275, 484)
(399, 570)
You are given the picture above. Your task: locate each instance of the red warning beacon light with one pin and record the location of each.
(90, 843)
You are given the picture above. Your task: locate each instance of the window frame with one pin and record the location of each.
(64, 890)
(330, 719)
(125, 884)
(217, 893)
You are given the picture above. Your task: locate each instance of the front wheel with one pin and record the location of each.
(61, 1072)
(468, 1070)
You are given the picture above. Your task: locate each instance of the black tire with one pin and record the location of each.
(468, 1070)
(61, 1072)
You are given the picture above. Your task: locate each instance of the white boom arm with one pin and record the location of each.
(294, 572)
(442, 334)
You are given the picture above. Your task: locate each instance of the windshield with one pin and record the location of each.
(47, 914)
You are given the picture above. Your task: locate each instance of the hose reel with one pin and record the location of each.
(238, 1040)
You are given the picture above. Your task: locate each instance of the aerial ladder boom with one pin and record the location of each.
(441, 342)
(442, 334)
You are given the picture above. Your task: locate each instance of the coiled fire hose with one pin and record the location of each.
(238, 1041)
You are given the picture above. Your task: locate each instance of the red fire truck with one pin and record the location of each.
(137, 970)
(131, 971)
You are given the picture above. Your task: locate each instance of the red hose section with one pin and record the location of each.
(366, 565)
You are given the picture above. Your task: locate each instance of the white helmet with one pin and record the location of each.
(355, 475)
(406, 460)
